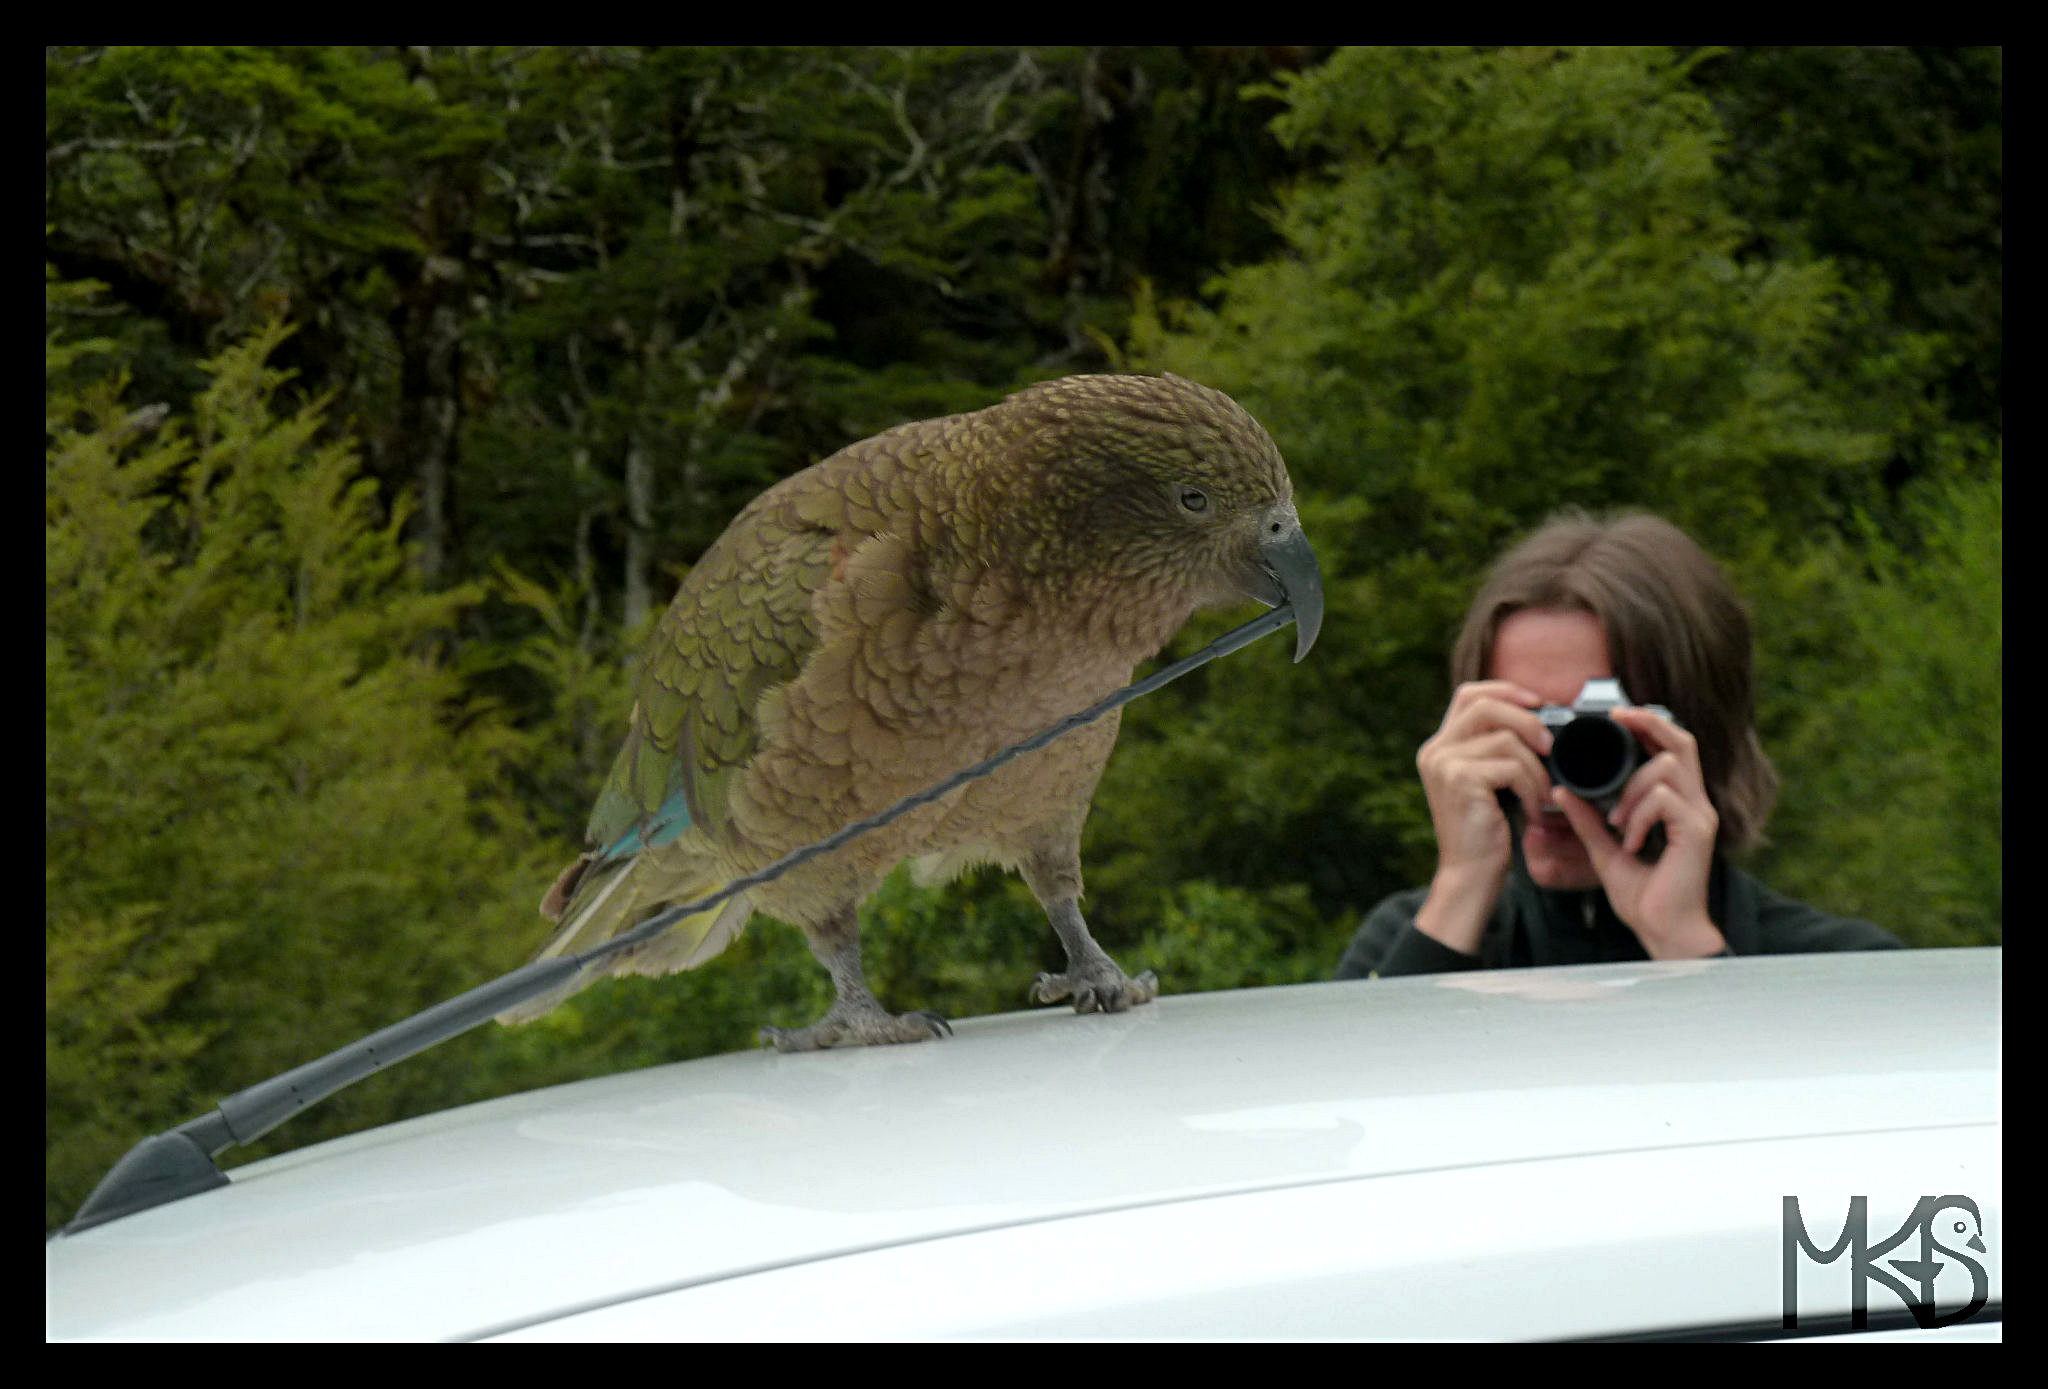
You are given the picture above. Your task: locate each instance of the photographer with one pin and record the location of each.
(1529, 873)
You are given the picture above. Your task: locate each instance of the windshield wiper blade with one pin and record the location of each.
(177, 1163)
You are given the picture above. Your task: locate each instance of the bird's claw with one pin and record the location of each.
(1106, 990)
(859, 1030)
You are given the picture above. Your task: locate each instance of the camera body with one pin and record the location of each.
(1591, 755)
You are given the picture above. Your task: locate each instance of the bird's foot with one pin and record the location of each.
(1096, 986)
(857, 1027)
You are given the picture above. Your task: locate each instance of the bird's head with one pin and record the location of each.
(1166, 486)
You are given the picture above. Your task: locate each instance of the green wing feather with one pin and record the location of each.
(741, 626)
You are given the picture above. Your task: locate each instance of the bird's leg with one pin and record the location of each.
(856, 1018)
(1092, 979)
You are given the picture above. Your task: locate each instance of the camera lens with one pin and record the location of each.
(1592, 757)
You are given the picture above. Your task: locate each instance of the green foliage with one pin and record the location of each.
(1885, 713)
(64, 355)
(586, 688)
(773, 252)
(1516, 288)
(272, 820)
(1889, 161)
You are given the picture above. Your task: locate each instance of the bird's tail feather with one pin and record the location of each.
(615, 898)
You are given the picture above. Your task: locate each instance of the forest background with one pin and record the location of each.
(390, 391)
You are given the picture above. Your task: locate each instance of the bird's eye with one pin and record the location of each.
(1194, 499)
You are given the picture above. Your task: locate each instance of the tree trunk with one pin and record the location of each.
(639, 533)
(429, 331)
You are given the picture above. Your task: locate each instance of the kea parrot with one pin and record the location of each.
(915, 603)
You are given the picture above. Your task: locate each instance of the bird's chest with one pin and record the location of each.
(961, 689)
(889, 709)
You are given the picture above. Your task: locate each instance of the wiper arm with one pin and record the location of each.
(170, 1166)
(179, 1163)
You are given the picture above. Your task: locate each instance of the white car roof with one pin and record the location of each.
(1106, 1161)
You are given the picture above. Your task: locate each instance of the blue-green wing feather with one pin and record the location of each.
(741, 626)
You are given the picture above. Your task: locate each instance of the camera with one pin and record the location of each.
(1591, 755)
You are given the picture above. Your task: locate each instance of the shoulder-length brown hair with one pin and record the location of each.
(1676, 633)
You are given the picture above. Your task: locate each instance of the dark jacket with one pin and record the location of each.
(1533, 926)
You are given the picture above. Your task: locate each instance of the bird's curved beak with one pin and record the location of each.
(1287, 573)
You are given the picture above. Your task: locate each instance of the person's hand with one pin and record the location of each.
(1490, 741)
(1664, 903)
